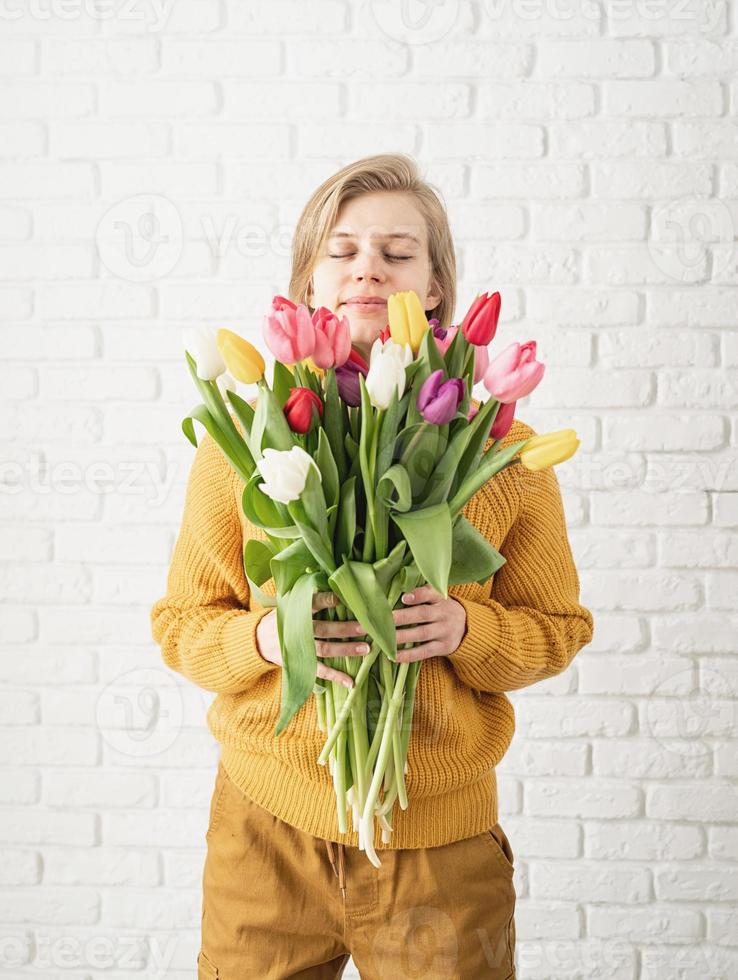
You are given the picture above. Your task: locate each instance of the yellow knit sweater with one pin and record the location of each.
(523, 625)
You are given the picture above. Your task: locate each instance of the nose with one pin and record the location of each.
(368, 267)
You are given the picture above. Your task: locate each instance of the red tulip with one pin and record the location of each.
(480, 323)
(299, 409)
(503, 420)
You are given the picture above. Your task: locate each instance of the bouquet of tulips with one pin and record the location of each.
(358, 474)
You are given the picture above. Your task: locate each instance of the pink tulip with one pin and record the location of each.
(288, 331)
(443, 337)
(332, 339)
(514, 373)
(481, 363)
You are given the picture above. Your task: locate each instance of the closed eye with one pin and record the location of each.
(394, 258)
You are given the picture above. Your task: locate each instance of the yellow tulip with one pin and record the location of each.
(242, 359)
(549, 449)
(407, 320)
(313, 366)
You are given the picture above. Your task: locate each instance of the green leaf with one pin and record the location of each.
(282, 381)
(257, 556)
(244, 411)
(270, 515)
(429, 534)
(420, 456)
(292, 562)
(441, 479)
(356, 584)
(328, 469)
(299, 661)
(333, 422)
(310, 517)
(474, 558)
(386, 568)
(492, 462)
(346, 526)
(201, 414)
(396, 478)
(269, 429)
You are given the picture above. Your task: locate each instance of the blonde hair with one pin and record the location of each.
(382, 172)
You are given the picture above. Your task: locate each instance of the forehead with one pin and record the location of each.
(381, 216)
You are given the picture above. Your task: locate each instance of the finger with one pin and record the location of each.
(423, 593)
(424, 652)
(324, 600)
(425, 613)
(334, 627)
(324, 648)
(417, 634)
(331, 674)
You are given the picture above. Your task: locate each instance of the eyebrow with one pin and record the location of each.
(395, 234)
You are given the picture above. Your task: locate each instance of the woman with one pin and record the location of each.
(285, 894)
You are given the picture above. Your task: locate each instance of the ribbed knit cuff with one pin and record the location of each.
(471, 659)
(240, 649)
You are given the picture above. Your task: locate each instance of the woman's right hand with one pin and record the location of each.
(267, 640)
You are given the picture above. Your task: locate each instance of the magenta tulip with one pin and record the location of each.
(439, 400)
(514, 373)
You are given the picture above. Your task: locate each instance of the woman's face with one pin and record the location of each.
(378, 246)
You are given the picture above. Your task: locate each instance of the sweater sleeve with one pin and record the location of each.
(203, 624)
(532, 625)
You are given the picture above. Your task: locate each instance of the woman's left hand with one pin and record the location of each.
(436, 624)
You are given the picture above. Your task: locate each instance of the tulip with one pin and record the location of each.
(443, 337)
(200, 343)
(332, 339)
(514, 373)
(472, 412)
(480, 323)
(385, 334)
(549, 449)
(288, 331)
(242, 359)
(439, 400)
(503, 420)
(285, 473)
(387, 363)
(481, 363)
(298, 409)
(407, 320)
(347, 378)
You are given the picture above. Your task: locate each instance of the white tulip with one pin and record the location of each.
(285, 473)
(387, 363)
(200, 343)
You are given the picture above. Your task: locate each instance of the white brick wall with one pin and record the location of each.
(588, 153)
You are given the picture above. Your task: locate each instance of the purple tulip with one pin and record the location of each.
(439, 400)
(347, 378)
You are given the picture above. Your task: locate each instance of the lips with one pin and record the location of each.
(366, 301)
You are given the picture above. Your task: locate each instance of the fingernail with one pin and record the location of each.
(362, 648)
(348, 684)
(358, 628)
(408, 597)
